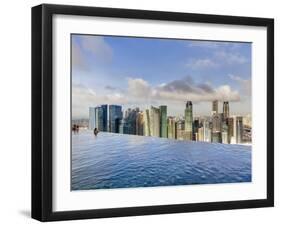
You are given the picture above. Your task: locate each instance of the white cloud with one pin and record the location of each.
(230, 57)
(245, 84)
(83, 98)
(180, 91)
(218, 54)
(201, 63)
(140, 93)
(139, 88)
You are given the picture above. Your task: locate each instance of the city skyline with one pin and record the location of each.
(140, 72)
(218, 127)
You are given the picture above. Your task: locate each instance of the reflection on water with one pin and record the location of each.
(112, 160)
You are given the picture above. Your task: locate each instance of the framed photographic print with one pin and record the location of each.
(145, 112)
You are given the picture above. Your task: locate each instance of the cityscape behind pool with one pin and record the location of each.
(159, 112)
(218, 127)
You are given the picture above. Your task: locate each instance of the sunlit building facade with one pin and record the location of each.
(154, 116)
(171, 127)
(239, 129)
(188, 117)
(163, 121)
(140, 123)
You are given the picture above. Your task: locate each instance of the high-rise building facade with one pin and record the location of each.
(180, 133)
(239, 129)
(225, 110)
(130, 121)
(171, 127)
(216, 137)
(104, 121)
(201, 134)
(99, 119)
(230, 130)
(224, 132)
(207, 131)
(92, 118)
(215, 106)
(115, 117)
(140, 123)
(224, 138)
(216, 122)
(146, 123)
(188, 118)
(154, 116)
(163, 121)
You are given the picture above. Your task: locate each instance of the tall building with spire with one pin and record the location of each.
(188, 118)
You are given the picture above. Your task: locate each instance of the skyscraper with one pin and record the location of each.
(216, 137)
(201, 134)
(122, 127)
(215, 106)
(239, 129)
(140, 123)
(163, 121)
(225, 109)
(171, 127)
(99, 119)
(207, 131)
(130, 122)
(224, 138)
(92, 118)
(216, 127)
(180, 129)
(100, 115)
(146, 123)
(216, 122)
(230, 128)
(224, 131)
(104, 112)
(196, 125)
(154, 116)
(115, 117)
(188, 117)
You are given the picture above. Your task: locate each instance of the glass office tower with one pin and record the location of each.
(163, 121)
(115, 117)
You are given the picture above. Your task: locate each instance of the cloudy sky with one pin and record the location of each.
(139, 72)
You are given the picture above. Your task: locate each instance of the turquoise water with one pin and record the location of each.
(121, 161)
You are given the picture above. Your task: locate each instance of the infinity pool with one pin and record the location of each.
(120, 161)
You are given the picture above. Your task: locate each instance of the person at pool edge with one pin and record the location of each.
(96, 131)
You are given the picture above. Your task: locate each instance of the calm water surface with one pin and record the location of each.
(119, 161)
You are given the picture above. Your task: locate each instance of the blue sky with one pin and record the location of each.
(149, 71)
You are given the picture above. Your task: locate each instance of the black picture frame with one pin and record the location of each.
(42, 107)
